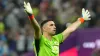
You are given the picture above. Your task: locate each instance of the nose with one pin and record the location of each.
(54, 27)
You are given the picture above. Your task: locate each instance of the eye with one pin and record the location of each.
(51, 24)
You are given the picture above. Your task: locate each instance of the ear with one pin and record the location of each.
(43, 28)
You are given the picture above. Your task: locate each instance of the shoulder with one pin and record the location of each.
(58, 35)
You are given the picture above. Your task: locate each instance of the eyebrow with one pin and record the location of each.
(52, 24)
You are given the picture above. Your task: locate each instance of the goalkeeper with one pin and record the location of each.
(46, 42)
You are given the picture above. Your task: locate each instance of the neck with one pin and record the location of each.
(48, 36)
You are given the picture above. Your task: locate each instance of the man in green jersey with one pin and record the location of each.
(46, 42)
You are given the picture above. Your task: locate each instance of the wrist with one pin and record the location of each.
(31, 16)
(81, 20)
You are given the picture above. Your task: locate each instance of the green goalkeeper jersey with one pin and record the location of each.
(45, 47)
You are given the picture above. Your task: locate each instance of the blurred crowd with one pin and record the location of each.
(16, 32)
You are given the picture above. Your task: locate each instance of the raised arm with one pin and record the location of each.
(37, 29)
(75, 25)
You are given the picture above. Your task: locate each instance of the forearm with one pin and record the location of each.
(71, 28)
(34, 23)
(36, 26)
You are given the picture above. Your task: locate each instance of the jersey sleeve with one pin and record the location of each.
(59, 37)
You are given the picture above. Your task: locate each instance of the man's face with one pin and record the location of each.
(50, 27)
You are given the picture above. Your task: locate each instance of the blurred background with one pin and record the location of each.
(16, 32)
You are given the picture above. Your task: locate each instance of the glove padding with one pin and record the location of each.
(27, 8)
(86, 14)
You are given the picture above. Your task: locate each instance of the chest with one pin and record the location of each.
(51, 43)
(52, 46)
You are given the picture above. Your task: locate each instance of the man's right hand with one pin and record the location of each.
(27, 8)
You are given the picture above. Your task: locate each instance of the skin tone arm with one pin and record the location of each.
(70, 29)
(37, 29)
(85, 17)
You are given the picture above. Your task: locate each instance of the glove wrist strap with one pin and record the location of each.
(81, 20)
(31, 17)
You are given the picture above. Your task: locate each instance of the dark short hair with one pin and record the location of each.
(44, 22)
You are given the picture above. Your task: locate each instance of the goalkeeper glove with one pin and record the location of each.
(28, 9)
(85, 15)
